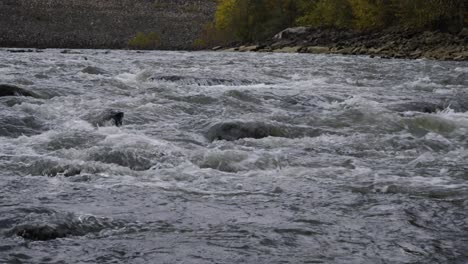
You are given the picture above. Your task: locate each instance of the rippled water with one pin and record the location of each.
(233, 158)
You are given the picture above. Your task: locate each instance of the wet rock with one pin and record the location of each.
(423, 107)
(65, 170)
(278, 190)
(93, 70)
(103, 118)
(234, 130)
(11, 90)
(23, 50)
(41, 232)
(70, 52)
(60, 226)
(189, 80)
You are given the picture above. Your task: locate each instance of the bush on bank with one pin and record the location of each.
(149, 40)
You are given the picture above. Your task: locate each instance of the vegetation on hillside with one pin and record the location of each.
(255, 20)
(150, 40)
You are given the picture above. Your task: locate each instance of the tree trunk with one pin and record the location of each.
(461, 14)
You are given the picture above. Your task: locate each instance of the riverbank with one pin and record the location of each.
(385, 44)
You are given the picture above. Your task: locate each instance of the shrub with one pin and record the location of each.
(145, 41)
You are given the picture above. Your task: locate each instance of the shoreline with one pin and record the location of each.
(384, 44)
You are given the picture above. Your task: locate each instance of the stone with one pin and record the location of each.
(463, 33)
(102, 118)
(291, 32)
(11, 90)
(230, 50)
(93, 70)
(234, 130)
(317, 49)
(288, 49)
(346, 51)
(248, 48)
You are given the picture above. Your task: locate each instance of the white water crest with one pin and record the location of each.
(233, 158)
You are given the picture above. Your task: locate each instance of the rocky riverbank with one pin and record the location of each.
(386, 44)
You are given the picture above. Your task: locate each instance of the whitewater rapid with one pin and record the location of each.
(330, 159)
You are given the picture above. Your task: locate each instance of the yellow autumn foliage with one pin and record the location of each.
(254, 20)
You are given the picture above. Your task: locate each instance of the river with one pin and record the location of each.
(233, 158)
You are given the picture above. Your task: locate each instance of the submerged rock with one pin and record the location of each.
(234, 130)
(11, 90)
(423, 107)
(59, 226)
(93, 70)
(115, 117)
(136, 159)
(189, 80)
(23, 50)
(15, 125)
(457, 104)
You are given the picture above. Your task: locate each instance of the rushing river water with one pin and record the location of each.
(233, 158)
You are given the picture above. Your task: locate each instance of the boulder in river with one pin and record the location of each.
(11, 90)
(234, 130)
(59, 225)
(42, 232)
(23, 50)
(93, 70)
(101, 118)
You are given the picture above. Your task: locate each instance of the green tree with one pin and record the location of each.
(253, 20)
(430, 14)
(370, 14)
(328, 13)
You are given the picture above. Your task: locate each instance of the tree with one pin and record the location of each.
(328, 13)
(370, 14)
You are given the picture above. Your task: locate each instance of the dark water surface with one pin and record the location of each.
(351, 160)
